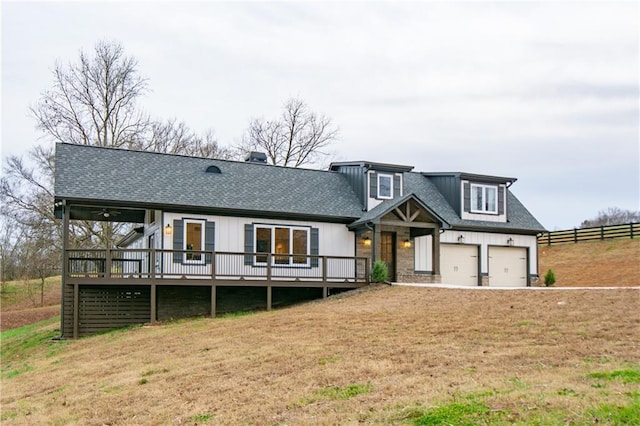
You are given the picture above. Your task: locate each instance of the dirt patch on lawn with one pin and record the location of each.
(22, 307)
(19, 317)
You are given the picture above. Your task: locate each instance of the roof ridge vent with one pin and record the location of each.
(256, 157)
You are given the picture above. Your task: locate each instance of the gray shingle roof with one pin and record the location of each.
(145, 178)
(519, 218)
(95, 173)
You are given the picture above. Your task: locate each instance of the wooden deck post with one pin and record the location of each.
(325, 292)
(76, 310)
(268, 298)
(213, 301)
(435, 249)
(65, 262)
(154, 314)
(324, 269)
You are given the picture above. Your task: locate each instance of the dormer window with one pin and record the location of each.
(484, 199)
(385, 186)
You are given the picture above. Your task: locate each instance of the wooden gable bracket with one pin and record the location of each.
(406, 216)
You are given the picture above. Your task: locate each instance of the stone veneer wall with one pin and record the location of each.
(404, 256)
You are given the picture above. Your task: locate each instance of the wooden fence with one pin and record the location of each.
(627, 230)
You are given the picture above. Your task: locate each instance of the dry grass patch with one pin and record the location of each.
(390, 355)
(608, 263)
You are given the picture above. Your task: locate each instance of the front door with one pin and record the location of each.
(388, 252)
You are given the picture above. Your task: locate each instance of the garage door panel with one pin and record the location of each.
(507, 266)
(459, 264)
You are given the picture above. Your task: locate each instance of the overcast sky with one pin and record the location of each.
(546, 92)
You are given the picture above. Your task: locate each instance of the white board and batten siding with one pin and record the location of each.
(334, 239)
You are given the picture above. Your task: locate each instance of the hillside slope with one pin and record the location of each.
(594, 263)
(383, 355)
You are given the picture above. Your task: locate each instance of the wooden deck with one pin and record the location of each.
(176, 267)
(99, 285)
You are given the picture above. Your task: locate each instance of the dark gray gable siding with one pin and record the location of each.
(357, 178)
(449, 187)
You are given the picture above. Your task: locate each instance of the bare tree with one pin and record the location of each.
(10, 239)
(173, 137)
(612, 216)
(93, 101)
(298, 138)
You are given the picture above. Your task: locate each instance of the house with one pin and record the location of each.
(200, 225)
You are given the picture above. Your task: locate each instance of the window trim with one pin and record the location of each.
(272, 252)
(484, 189)
(202, 223)
(390, 177)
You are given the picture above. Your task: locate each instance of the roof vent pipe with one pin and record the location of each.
(256, 157)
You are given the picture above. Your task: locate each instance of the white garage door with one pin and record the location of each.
(507, 267)
(459, 264)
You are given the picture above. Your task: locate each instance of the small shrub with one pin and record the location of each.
(380, 272)
(549, 278)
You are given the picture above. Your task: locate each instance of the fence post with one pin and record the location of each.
(549, 239)
(631, 230)
(602, 232)
(575, 235)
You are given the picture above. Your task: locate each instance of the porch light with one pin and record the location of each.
(168, 230)
(366, 241)
(510, 241)
(461, 239)
(406, 244)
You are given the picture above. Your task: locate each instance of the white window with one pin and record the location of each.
(193, 241)
(385, 186)
(484, 199)
(289, 245)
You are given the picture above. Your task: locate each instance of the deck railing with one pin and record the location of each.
(187, 264)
